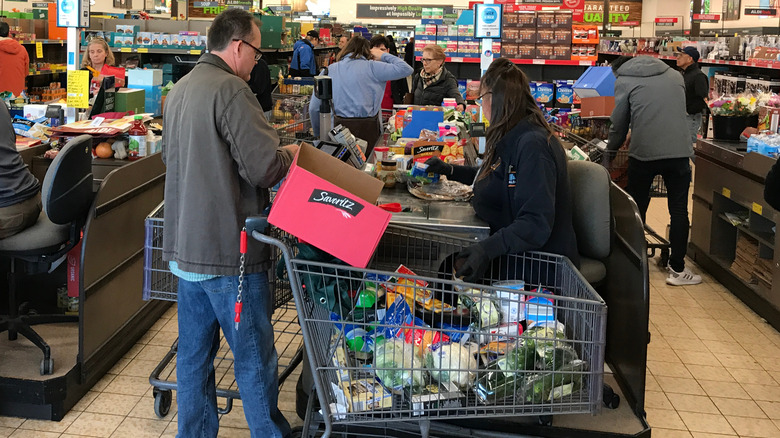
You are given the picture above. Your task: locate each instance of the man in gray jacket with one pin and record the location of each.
(221, 157)
(650, 99)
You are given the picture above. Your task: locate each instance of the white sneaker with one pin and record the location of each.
(683, 278)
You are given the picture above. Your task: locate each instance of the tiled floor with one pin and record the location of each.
(713, 371)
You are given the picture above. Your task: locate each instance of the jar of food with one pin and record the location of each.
(387, 173)
(381, 153)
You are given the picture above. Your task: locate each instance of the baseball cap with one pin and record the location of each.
(690, 51)
(313, 34)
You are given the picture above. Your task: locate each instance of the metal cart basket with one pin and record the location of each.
(387, 346)
(161, 284)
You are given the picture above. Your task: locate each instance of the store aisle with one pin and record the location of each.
(713, 371)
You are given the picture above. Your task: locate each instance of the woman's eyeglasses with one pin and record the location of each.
(258, 53)
(427, 60)
(484, 94)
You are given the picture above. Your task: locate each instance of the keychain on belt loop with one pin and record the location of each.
(239, 304)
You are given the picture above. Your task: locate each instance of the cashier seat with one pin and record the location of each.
(66, 195)
(592, 215)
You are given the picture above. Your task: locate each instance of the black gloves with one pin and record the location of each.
(471, 263)
(435, 165)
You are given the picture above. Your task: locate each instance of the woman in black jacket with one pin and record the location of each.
(522, 188)
(434, 82)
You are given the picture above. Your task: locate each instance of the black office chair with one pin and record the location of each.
(66, 195)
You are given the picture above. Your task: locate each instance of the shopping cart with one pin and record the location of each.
(616, 163)
(161, 284)
(295, 132)
(554, 368)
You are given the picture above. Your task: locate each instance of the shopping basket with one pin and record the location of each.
(383, 360)
(161, 284)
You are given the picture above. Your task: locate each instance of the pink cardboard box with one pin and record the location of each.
(331, 205)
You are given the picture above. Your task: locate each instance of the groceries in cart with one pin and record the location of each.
(403, 341)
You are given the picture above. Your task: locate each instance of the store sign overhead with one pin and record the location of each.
(706, 18)
(619, 11)
(761, 11)
(396, 12)
(665, 21)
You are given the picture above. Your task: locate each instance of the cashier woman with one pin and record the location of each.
(522, 188)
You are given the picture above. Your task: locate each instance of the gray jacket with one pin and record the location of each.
(17, 184)
(221, 157)
(650, 99)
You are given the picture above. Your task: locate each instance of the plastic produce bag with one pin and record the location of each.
(484, 305)
(397, 365)
(449, 363)
(556, 384)
(552, 350)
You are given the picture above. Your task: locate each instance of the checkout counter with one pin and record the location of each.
(112, 314)
(733, 228)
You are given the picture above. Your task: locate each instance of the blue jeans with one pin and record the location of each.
(203, 308)
(694, 125)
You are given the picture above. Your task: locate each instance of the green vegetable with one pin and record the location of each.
(556, 384)
(552, 350)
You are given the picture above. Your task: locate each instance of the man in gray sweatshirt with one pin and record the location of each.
(20, 198)
(650, 100)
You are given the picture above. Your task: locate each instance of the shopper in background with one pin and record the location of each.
(650, 100)
(20, 196)
(221, 157)
(359, 78)
(409, 53)
(343, 42)
(303, 63)
(522, 188)
(394, 89)
(697, 88)
(14, 63)
(434, 82)
(260, 84)
(398, 87)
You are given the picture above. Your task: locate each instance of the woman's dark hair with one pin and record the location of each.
(511, 102)
(4, 29)
(619, 62)
(392, 48)
(229, 25)
(379, 40)
(358, 47)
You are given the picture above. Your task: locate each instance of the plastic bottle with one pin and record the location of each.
(137, 145)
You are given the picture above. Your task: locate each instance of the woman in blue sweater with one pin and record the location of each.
(359, 77)
(522, 188)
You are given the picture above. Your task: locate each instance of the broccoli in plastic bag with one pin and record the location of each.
(484, 305)
(552, 350)
(449, 363)
(397, 365)
(555, 384)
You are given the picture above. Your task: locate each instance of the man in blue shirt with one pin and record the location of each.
(303, 63)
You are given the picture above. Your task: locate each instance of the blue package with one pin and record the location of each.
(420, 173)
(564, 93)
(456, 333)
(545, 92)
(398, 314)
(379, 278)
(462, 87)
(533, 89)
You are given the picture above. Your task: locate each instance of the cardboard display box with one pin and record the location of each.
(331, 205)
(597, 106)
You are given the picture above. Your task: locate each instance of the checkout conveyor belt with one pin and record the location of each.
(449, 217)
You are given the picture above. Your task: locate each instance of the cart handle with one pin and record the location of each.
(256, 223)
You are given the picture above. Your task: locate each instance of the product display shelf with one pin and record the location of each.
(563, 62)
(60, 42)
(44, 73)
(759, 63)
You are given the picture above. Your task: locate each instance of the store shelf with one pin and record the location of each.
(44, 73)
(758, 63)
(765, 238)
(60, 42)
(526, 61)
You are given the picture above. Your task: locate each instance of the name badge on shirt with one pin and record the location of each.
(512, 181)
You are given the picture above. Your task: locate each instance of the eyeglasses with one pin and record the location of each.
(427, 60)
(484, 94)
(258, 53)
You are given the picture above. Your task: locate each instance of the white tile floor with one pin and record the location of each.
(713, 371)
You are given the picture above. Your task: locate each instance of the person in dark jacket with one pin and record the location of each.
(434, 82)
(650, 100)
(260, 83)
(409, 53)
(697, 87)
(303, 63)
(20, 197)
(772, 186)
(522, 188)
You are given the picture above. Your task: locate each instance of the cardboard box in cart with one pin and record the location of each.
(330, 204)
